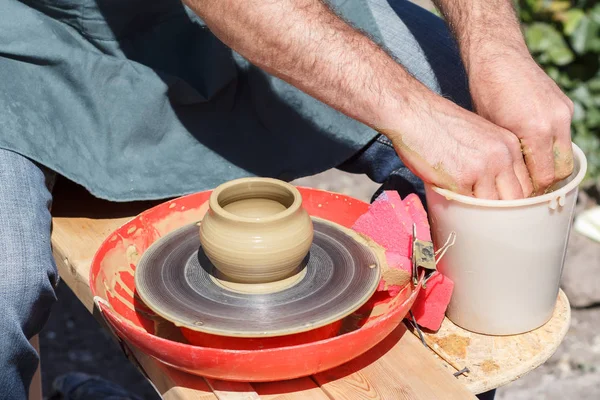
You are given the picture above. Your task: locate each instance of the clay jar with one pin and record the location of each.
(256, 230)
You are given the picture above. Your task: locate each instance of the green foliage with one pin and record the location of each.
(564, 38)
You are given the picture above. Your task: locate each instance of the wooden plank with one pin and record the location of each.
(232, 390)
(400, 367)
(172, 384)
(295, 389)
(494, 361)
(73, 241)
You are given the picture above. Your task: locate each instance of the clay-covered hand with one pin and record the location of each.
(513, 92)
(455, 149)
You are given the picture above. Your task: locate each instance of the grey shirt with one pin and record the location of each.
(137, 99)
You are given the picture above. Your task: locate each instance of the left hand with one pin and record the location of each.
(512, 91)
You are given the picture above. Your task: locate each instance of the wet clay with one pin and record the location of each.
(395, 277)
(390, 276)
(255, 208)
(258, 288)
(563, 167)
(489, 366)
(256, 232)
(453, 344)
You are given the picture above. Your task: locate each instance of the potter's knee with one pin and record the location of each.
(28, 279)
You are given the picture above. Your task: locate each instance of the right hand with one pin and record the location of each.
(452, 148)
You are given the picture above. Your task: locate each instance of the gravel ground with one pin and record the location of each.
(73, 341)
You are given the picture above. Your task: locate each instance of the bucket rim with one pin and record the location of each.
(579, 157)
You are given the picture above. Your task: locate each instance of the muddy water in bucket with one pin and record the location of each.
(508, 256)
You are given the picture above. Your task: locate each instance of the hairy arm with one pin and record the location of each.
(306, 44)
(509, 89)
(483, 28)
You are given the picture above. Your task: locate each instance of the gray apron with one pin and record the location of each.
(137, 99)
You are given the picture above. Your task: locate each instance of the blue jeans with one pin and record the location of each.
(28, 276)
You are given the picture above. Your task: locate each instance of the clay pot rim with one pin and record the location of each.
(215, 207)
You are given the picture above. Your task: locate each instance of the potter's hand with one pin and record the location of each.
(455, 149)
(306, 44)
(509, 89)
(514, 93)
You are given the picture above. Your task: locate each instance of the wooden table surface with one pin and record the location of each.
(400, 367)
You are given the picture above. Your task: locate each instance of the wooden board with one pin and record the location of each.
(389, 373)
(494, 361)
(303, 388)
(400, 367)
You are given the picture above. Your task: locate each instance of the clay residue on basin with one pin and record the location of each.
(390, 276)
(395, 277)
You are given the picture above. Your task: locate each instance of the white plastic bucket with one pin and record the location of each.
(508, 255)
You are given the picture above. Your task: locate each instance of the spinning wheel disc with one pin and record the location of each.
(174, 279)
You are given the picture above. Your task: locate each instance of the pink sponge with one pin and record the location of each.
(402, 213)
(389, 222)
(385, 225)
(415, 209)
(430, 307)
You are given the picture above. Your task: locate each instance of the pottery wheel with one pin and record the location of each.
(174, 279)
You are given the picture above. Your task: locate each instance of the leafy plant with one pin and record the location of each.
(564, 38)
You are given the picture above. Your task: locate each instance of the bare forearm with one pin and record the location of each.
(483, 28)
(306, 44)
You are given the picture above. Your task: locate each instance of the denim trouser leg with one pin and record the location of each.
(27, 271)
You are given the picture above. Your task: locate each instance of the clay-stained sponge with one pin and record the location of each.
(398, 273)
(389, 222)
(386, 223)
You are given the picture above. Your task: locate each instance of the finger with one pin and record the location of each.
(539, 158)
(508, 185)
(562, 147)
(522, 174)
(563, 157)
(486, 189)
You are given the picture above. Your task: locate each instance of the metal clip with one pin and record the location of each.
(449, 243)
(423, 256)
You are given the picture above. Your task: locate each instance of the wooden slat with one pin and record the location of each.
(72, 242)
(232, 390)
(494, 361)
(400, 367)
(296, 389)
(173, 384)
